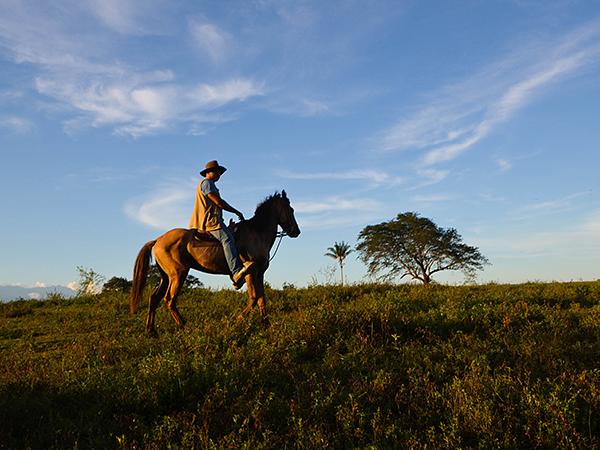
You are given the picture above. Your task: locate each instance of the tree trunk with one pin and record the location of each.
(426, 279)
(342, 272)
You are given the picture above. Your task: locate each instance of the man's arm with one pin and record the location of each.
(216, 199)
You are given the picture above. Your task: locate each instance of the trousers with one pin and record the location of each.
(225, 236)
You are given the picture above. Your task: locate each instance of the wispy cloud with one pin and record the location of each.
(461, 115)
(15, 124)
(336, 204)
(432, 198)
(503, 164)
(137, 108)
(579, 238)
(557, 205)
(429, 177)
(370, 176)
(94, 89)
(335, 211)
(211, 40)
(167, 207)
(298, 105)
(134, 17)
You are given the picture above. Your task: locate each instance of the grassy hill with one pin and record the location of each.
(340, 367)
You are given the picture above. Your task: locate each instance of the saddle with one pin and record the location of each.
(202, 237)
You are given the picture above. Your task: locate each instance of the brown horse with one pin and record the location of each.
(179, 250)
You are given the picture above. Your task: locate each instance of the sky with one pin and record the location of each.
(483, 116)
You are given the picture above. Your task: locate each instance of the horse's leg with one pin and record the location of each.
(158, 293)
(250, 284)
(260, 295)
(175, 285)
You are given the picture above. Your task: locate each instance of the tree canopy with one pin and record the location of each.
(415, 247)
(117, 284)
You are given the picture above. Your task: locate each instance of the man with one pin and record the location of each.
(208, 216)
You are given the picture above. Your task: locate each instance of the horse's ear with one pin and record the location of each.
(283, 194)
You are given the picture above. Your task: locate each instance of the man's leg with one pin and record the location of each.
(231, 254)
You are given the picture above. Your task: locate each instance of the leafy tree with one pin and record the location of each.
(89, 281)
(416, 247)
(191, 282)
(339, 251)
(117, 284)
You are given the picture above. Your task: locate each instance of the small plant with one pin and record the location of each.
(90, 281)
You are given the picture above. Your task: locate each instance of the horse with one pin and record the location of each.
(179, 250)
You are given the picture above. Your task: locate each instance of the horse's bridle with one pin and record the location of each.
(280, 235)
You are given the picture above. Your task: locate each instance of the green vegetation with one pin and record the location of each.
(373, 366)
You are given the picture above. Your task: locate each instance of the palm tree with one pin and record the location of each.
(339, 251)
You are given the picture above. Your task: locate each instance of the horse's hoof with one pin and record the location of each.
(152, 334)
(266, 322)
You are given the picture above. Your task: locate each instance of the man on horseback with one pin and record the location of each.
(208, 217)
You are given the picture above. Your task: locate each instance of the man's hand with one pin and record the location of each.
(240, 215)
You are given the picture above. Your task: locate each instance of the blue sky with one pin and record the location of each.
(481, 115)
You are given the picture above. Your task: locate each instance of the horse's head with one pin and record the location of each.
(286, 218)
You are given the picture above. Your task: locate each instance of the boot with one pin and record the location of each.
(239, 277)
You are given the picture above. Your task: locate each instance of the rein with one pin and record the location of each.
(280, 235)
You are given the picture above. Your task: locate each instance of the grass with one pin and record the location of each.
(366, 366)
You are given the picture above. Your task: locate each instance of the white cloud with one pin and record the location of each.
(298, 105)
(503, 164)
(432, 198)
(34, 295)
(137, 108)
(15, 124)
(431, 177)
(73, 285)
(556, 205)
(167, 207)
(214, 42)
(334, 204)
(95, 88)
(461, 115)
(134, 17)
(39, 284)
(336, 211)
(578, 239)
(116, 14)
(371, 176)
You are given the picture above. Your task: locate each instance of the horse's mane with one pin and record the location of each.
(263, 211)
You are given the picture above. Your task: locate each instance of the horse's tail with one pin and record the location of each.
(140, 271)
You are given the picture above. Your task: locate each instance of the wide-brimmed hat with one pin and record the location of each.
(213, 165)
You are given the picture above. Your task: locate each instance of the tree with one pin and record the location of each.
(89, 281)
(117, 284)
(339, 251)
(416, 247)
(191, 282)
